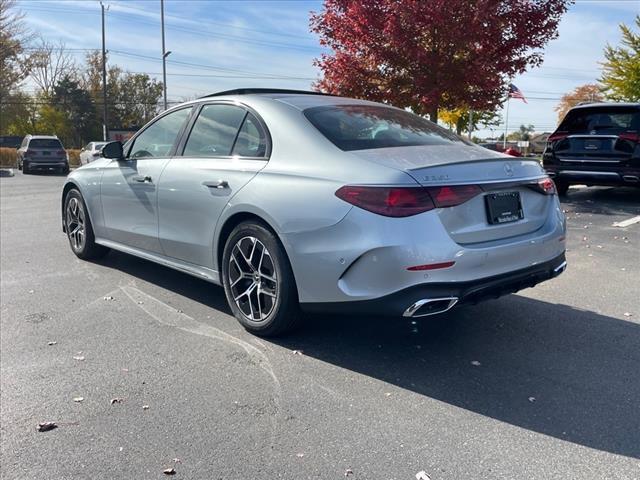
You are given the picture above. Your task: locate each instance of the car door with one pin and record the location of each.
(227, 146)
(129, 187)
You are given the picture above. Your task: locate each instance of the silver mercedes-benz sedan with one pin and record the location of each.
(297, 201)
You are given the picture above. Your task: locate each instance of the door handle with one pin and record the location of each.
(216, 184)
(141, 179)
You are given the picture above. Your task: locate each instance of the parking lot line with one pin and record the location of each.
(627, 222)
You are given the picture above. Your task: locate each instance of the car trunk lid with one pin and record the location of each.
(504, 181)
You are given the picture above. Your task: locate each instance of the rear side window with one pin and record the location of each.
(252, 139)
(601, 120)
(214, 131)
(45, 143)
(363, 127)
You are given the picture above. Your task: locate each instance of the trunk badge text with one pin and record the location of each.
(435, 178)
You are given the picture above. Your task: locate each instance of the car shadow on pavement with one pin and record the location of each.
(603, 200)
(552, 369)
(549, 368)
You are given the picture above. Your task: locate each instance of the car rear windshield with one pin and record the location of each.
(45, 143)
(364, 127)
(601, 120)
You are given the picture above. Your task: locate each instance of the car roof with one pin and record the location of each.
(300, 99)
(606, 104)
(46, 137)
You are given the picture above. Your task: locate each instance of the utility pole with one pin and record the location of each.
(165, 54)
(104, 81)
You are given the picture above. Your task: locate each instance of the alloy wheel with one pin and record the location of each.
(252, 279)
(75, 223)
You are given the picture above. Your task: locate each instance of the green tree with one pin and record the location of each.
(621, 70)
(77, 107)
(137, 100)
(523, 133)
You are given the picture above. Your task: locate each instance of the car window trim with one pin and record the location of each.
(129, 143)
(183, 143)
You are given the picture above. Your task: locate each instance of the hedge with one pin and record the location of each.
(8, 157)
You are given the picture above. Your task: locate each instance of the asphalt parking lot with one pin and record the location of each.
(543, 384)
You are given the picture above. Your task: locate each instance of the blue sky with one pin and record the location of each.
(217, 45)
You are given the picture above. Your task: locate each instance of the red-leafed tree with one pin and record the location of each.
(431, 54)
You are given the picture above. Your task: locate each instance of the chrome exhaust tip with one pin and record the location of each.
(560, 268)
(430, 306)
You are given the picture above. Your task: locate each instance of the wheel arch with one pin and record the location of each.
(227, 227)
(65, 190)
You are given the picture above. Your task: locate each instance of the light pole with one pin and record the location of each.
(165, 54)
(104, 81)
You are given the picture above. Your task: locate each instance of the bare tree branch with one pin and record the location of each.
(50, 63)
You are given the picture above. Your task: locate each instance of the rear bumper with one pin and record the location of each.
(400, 303)
(49, 165)
(592, 175)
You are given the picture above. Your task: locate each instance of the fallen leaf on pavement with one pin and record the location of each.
(532, 399)
(177, 460)
(51, 343)
(627, 314)
(145, 407)
(46, 426)
(476, 363)
(80, 358)
(422, 475)
(348, 472)
(299, 455)
(297, 352)
(169, 471)
(78, 399)
(108, 297)
(116, 400)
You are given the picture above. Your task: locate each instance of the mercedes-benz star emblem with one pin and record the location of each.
(508, 169)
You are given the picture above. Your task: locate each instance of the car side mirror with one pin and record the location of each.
(113, 150)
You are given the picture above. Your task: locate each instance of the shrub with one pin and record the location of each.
(8, 157)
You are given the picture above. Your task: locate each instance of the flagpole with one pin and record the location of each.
(506, 124)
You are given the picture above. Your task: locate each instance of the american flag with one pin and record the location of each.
(514, 92)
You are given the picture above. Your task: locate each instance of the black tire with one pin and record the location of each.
(87, 248)
(562, 187)
(283, 312)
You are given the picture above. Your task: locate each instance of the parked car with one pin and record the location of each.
(297, 200)
(42, 152)
(10, 141)
(91, 151)
(596, 144)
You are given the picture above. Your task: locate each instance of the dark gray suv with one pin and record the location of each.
(42, 152)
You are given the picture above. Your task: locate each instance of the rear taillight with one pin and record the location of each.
(452, 196)
(560, 135)
(545, 186)
(405, 201)
(631, 136)
(388, 201)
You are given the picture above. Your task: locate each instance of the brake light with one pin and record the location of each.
(560, 135)
(631, 136)
(406, 201)
(452, 196)
(388, 201)
(545, 186)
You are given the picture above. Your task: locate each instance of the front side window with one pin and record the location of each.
(157, 140)
(214, 131)
(363, 127)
